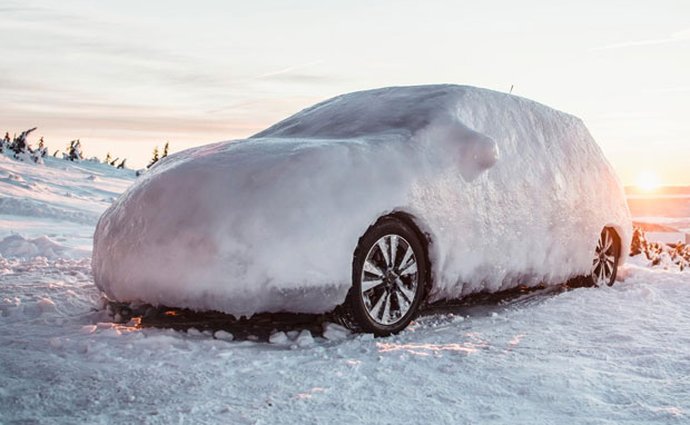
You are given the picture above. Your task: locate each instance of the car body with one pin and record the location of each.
(500, 191)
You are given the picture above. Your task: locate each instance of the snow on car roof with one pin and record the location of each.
(395, 110)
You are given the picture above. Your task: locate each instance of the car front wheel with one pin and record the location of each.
(389, 276)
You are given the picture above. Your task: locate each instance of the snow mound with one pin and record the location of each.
(508, 191)
(16, 246)
(32, 208)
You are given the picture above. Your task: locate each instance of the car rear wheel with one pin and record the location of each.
(606, 257)
(388, 280)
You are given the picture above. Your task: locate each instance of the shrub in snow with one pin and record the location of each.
(659, 254)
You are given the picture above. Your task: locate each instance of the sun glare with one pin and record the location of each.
(648, 181)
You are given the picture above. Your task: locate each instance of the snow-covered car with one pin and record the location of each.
(370, 204)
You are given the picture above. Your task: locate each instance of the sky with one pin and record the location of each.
(125, 76)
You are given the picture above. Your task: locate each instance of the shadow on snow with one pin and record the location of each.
(261, 326)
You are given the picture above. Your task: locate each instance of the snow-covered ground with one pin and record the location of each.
(585, 356)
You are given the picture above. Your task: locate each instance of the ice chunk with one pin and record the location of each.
(334, 332)
(304, 338)
(278, 338)
(223, 335)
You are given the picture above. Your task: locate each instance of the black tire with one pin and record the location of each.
(606, 259)
(401, 290)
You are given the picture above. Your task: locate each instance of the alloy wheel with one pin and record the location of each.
(389, 280)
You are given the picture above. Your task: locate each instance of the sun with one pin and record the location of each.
(648, 181)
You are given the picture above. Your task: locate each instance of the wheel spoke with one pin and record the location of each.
(608, 242)
(376, 309)
(369, 284)
(387, 308)
(606, 271)
(383, 247)
(403, 302)
(409, 268)
(611, 259)
(394, 248)
(406, 257)
(404, 291)
(369, 267)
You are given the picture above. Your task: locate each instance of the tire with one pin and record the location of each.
(389, 277)
(606, 258)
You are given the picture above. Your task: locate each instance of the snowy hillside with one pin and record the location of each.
(596, 356)
(60, 200)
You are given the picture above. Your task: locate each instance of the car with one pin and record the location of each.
(370, 205)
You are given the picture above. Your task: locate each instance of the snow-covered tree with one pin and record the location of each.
(74, 152)
(42, 150)
(5, 142)
(19, 144)
(108, 158)
(21, 148)
(155, 158)
(165, 149)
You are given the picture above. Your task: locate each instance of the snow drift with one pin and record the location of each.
(508, 191)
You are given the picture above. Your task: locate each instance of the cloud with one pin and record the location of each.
(676, 37)
(678, 89)
(295, 75)
(289, 69)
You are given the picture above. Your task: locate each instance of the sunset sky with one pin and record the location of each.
(124, 76)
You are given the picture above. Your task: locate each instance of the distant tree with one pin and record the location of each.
(114, 161)
(165, 149)
(42, 149)
(5, 142)
(55, 153)
(154, 159)
(108, 158)
(19, 144)
(74, 152)
(122, 165)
